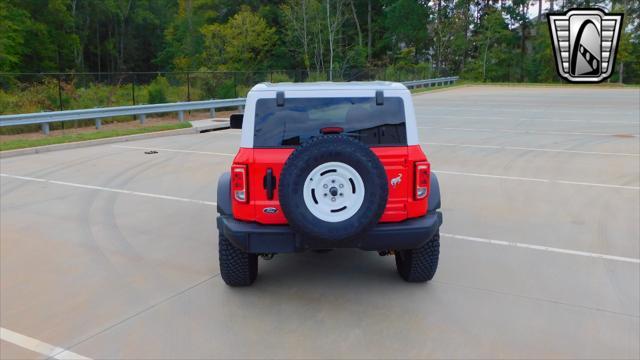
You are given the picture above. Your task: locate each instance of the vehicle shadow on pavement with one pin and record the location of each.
(340, 268)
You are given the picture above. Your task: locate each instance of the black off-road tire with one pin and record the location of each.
(419, 265)
(321, 150)
(237, 267)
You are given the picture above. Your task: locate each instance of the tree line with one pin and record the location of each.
(480, 40)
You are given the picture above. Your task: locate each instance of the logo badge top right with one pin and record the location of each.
(585, 42)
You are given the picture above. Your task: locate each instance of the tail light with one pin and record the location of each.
(239, 182)
(423, 171)
(331, 130)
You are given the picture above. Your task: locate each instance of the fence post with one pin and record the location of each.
(60, 92)
(235, 86)
(98, 123)
(133, 90)
(188, 87)
(45, 128)
(181, 116)
(141, 118)
(133, 93)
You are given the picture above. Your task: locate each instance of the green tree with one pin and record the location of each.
(628, 57)
(242, 44)
(14, 23)
(518, 14)
(459, 43)
(541, 65)
(183, 39)
(495, 50)
(44, 39)
(406, 24)
(494, 40)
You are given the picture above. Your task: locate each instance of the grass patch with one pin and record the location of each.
(98, 134)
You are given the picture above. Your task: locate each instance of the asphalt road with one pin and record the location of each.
(108, 252)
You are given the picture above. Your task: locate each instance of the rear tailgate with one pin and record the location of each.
(394, 160)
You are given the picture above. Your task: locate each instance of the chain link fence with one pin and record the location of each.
(30, 92)
(22, 93)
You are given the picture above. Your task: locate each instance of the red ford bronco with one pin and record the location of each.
(325, 166)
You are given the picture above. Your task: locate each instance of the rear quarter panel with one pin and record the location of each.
(398, 162)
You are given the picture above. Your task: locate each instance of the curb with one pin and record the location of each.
(111, 140)
(448, 88)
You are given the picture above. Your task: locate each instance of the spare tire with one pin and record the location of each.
(333, 188)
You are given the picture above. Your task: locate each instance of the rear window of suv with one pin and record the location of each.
(303, 118)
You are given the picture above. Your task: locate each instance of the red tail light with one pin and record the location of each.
(331, 130)
(239, 182)
(423, 171)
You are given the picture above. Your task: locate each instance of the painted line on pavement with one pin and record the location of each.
(529, 108)
(531, 149)
(529, 131)
(38, 346)
(437, 116)
(538, 180)
(172, 150)
(121, 191)
(461, 237)
(543, 248)
(425, 143)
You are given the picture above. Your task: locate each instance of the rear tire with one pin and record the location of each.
(237, 267)
(419, 265)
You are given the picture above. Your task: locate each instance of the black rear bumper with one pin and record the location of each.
(257, 238)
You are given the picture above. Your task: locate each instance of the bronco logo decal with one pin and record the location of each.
(396, 180)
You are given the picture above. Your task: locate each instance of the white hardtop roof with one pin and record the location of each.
(329, 85)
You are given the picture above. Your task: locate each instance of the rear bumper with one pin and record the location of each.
(257, 238)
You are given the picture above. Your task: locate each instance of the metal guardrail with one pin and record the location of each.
(44, 118)
(431, 82)
(97, 114)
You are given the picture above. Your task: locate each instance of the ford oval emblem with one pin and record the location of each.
(270, 210)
